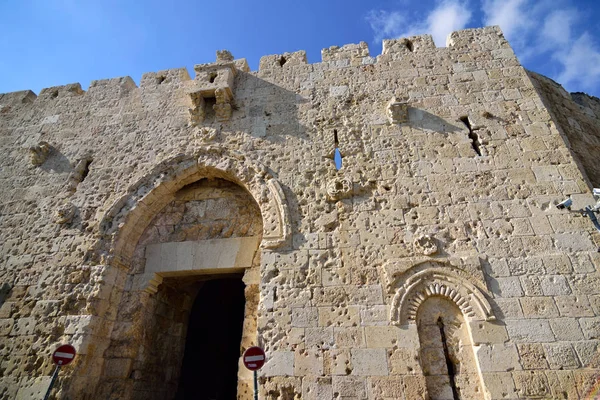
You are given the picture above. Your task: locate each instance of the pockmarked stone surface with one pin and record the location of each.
(434, 264)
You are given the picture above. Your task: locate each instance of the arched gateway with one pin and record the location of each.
(183, 251)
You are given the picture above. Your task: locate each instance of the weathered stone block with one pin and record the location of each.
(369, 362)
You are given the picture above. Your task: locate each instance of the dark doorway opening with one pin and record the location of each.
(212, 348)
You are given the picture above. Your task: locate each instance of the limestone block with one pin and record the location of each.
(9, 385)
(574, 242)
(33, 388)
(526, 266)
(566, 329)
(409, 336)
(351, 387)
(573, 306)
(308, 362)
(529, 330)
(305, 317)
(385, 387)
(353, 337)
(497, 357)
(279, 363)
(365, 294)
(319, 338)
(531, 384)
(404, 361)
(346, 316)
(555, 285)
(382, 336)
(281, 387)
(585, 283)
(506, 287)
(532, 286)
(415, 387)
(532, 356)
(487, 332)
(337, 362)
(499, 385)
(539, 307)
(374, 315)
(562, 384)
(203, 255)
(317, 388)
(369, 362)
(588, 353)
(561, 356)
(6, 326)
(23, 326)
(590, 327)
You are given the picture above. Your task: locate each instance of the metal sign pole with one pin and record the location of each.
(255, 385)
(54, 375)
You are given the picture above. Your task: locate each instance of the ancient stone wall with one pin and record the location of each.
(576, 115)
(452, 166)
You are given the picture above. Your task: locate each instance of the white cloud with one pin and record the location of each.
(385, 24)
(581, 63)
(547, 30)
(448, 16)
(557, 26)
(511, 15)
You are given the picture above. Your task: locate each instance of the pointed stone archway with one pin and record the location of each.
(159, 245)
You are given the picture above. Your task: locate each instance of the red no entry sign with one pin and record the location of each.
(64, 354)
(254, 358)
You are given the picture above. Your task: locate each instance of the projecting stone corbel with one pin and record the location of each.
(397, 110)
(38, 154)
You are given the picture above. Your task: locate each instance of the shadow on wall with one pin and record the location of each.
(4, 292)
(421, 119)
(272, 110)
(57, 162)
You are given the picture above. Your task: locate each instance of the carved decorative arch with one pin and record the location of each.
(127, 217)
(438, 281)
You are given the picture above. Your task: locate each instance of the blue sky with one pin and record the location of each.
(54, 42)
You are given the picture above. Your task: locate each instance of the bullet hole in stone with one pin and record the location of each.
(212, 77)
(337, 155)
(160, 79)
(54, 94)
(282, 61)
(472, 135)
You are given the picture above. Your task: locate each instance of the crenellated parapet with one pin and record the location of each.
(353, 53)
(489, 38)
(404, 46)
(212, 87)
(285, 60)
